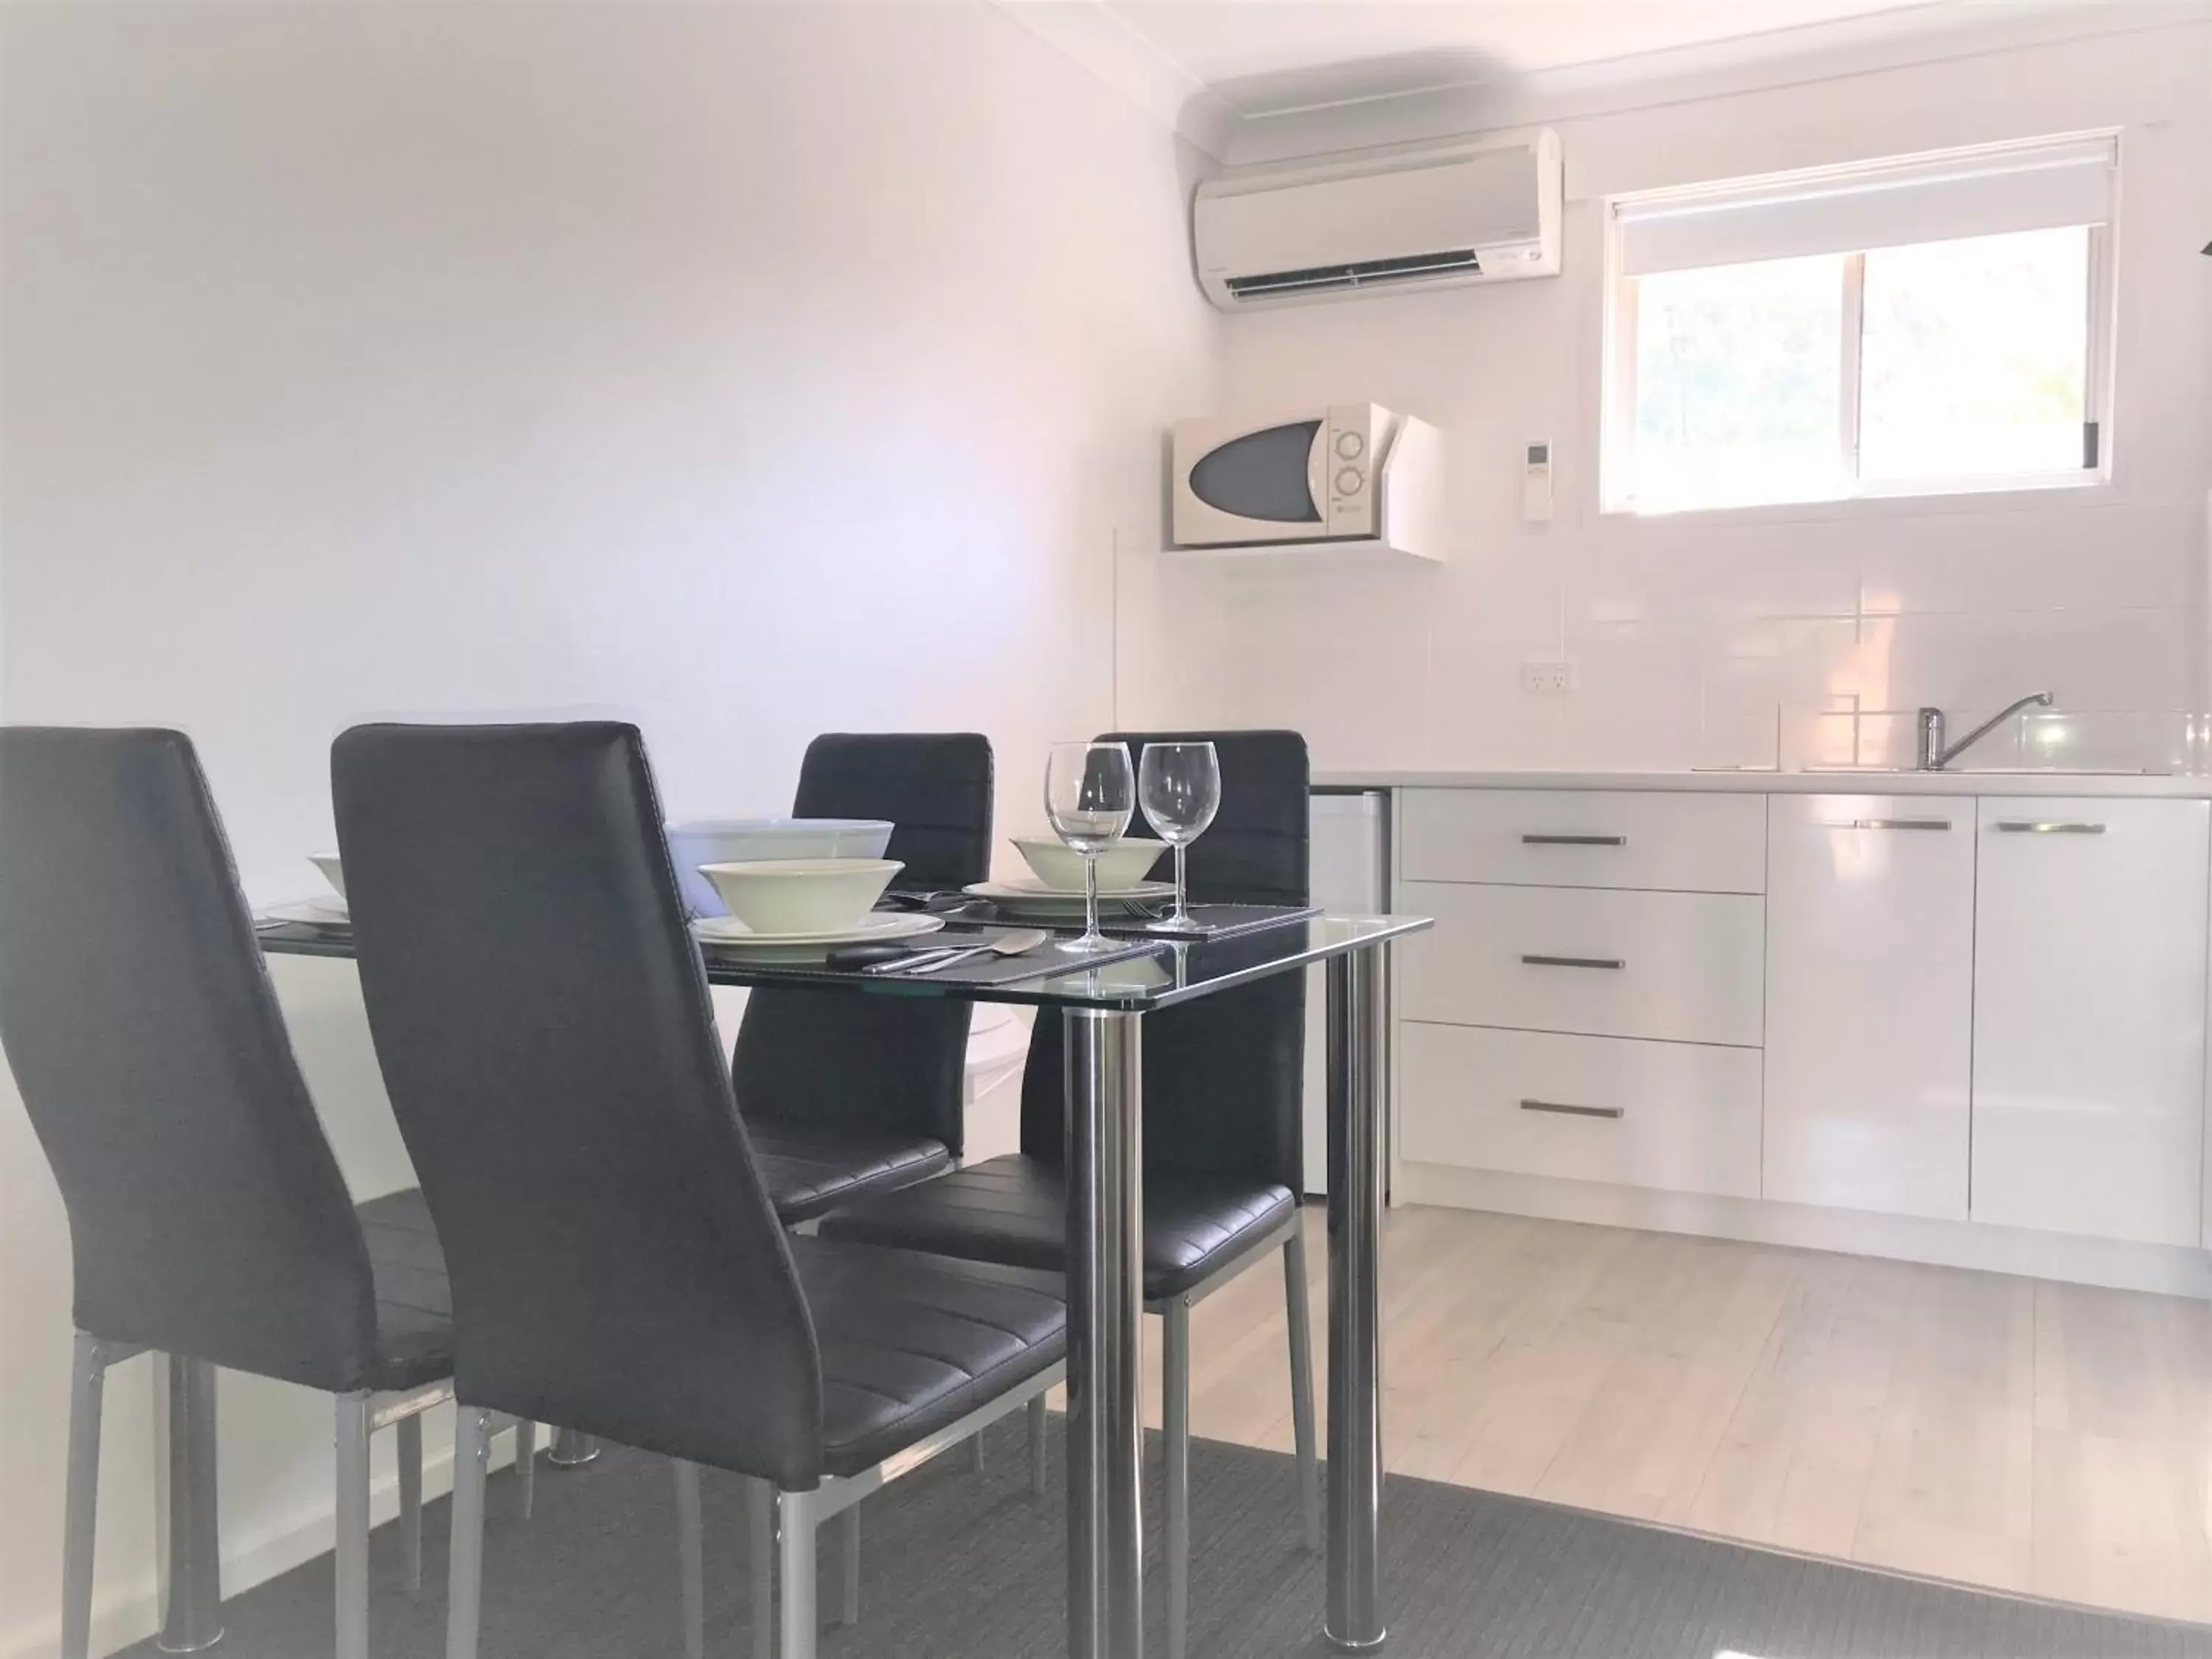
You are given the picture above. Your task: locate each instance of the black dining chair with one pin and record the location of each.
(1224, 1092)
(541, 1015)
(207, 1215)
(848, 1098)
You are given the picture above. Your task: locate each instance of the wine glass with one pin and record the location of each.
(1090, 791)
(1179, 786)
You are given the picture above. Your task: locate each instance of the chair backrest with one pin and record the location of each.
(542, 1020)
(894, 1064)
(1225, 1077)
(207, 1215)
(934, 786)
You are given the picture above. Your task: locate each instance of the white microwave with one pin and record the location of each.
(1315, 477)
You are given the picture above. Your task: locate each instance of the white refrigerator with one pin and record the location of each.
(1350, 877)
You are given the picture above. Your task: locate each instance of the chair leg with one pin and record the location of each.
(795, 1574)
(526, 1466)
(1175, 1400)
(760, 1501)
(691, 1552)
(80, 1506)
(976, 1454)
(1302, 1386)
(465, 1586)
(353, 1431)
(849, 1611)
(410, 1500)
(1037, 1446)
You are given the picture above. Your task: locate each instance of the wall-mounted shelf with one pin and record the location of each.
(1411, 484)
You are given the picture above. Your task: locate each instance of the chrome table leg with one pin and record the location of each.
(192, 1610)
(1105, 1302)
(1356, 1040)
(571, 1450)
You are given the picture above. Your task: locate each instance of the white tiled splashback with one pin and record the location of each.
(1701, 645)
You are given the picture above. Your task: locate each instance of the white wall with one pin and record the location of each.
(754, 371)
(1688, 633)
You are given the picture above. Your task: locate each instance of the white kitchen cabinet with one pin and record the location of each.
(1869, 1010)
(1680, 967)
(1679, 1116)
(1688, 843)
(2090, 1010)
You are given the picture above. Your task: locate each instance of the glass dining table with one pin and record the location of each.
(1103, 1002)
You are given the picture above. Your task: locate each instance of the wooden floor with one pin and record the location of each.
(2000, 1432)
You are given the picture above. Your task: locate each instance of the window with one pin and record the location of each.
(1916, 327)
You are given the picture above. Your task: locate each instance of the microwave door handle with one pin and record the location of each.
(1318, 471)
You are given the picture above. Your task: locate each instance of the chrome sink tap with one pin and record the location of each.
(1933, 757)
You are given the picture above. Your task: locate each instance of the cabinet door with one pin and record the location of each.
(1870, 954)
(2089, 1017)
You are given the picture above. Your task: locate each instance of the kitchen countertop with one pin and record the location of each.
(2088, 785)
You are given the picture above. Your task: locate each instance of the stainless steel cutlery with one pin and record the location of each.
(947, 956)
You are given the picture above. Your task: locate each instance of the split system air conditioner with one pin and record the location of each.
(1476, 212)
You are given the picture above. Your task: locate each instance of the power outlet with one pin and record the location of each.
(1547, 679)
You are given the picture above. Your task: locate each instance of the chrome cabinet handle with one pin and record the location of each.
(1573, 841)
(2046, 826)
(1572, 961)
(1561, 1109)
(1894, 824)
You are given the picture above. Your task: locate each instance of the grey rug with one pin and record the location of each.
(962, 1566)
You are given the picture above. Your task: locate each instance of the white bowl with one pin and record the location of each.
(741, 840)
(328, 864)
(800, 896)
(1121, 866)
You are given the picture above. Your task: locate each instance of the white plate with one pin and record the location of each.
(878, 926)
(319, 913)
(1028, 890)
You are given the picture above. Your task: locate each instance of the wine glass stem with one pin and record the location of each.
(1182, 904)
(1090, 897)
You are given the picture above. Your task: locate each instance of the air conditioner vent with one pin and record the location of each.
(1366, 273)
(1339, 228)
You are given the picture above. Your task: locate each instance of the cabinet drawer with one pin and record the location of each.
(1585, 838)
(1677, 1116)
(1686, 967)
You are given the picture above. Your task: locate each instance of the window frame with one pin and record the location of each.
(1617, 392)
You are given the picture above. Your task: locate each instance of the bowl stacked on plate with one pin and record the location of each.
(786, 881)
(1053, 896)
(1122, 867)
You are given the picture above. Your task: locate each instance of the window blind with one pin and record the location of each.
(1986, 192)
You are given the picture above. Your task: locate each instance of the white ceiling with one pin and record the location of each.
(1220, 72)
(1267, 56)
